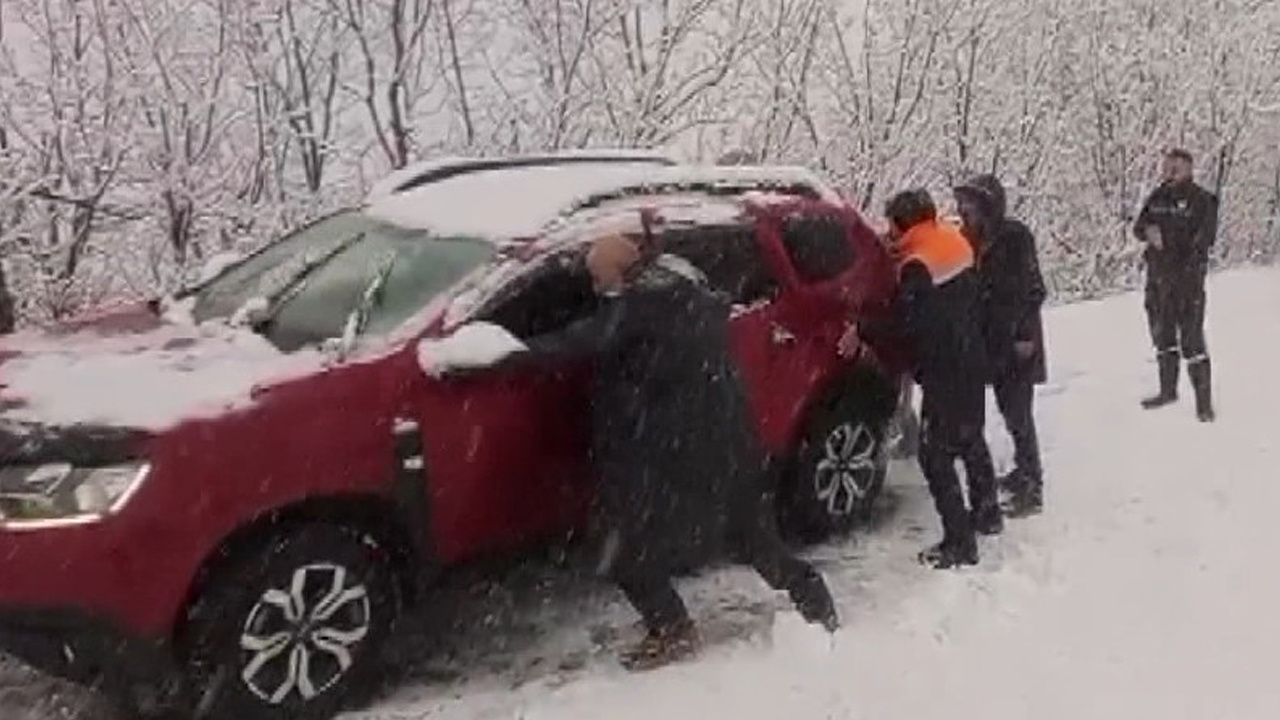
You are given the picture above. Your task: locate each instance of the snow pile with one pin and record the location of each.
(177, 311)
(250, 312)
(501, 204)
(474, 345)
(150, 381)
(521, 202)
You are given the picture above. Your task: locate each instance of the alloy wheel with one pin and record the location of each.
(302, 639)
(847, 469)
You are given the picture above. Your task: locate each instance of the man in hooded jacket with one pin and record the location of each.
(681, 471)
(1012, 293)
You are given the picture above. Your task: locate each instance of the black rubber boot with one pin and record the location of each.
(813, 601)
(1010, 482)
(1169, 366)
(663, 646)
(946, 555)
(988, 519)
(1026, 501)
(1201, 381)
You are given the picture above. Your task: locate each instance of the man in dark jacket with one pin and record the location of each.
(1012, 294)
(681, 471)
(1178, 224)
(937, 311)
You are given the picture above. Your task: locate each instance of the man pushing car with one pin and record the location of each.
(682, 472)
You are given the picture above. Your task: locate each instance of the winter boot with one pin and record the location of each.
(663, 646)
(1010, 482)
(1026, 501)
(1169, 366)
(1200, 373)
(987, 519)
(813, 601)
(950, 554)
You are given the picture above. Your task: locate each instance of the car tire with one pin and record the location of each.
(293, 631)
(839, 470)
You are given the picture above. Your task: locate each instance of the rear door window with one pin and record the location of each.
(818, 246)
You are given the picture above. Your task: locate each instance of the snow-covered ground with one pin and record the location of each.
(1145, 591)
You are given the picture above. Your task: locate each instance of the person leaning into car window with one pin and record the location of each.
(937, 313)
(681, 470)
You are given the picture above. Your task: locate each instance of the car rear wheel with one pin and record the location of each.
(839, 471)
(293, 631)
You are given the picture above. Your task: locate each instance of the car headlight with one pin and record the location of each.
(62, 492)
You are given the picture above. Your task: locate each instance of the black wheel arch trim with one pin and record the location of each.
(874, 389)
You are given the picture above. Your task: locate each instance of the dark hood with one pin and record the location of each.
(989, 191)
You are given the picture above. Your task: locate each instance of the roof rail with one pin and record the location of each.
(430, 171)
(715, 181)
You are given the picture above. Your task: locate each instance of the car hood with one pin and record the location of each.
(136, 377)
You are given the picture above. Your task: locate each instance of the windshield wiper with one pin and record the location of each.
(294, 283)
(369, 299)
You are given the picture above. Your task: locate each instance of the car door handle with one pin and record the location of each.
(782, 336)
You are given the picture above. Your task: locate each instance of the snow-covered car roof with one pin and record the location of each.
(508, 202)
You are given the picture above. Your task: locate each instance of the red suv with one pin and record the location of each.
(224, 500)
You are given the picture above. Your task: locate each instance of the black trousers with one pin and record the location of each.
(952, 430)
(753, 539)
(1175, 313)
(1015, 397)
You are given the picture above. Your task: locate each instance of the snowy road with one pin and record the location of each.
(1145, 591)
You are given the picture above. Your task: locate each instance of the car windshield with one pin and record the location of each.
(314, 282)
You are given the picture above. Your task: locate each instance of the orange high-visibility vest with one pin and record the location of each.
(942, 248)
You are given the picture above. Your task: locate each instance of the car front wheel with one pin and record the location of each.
(839, 472)
(292, 631)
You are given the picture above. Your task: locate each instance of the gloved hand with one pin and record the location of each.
(1154, 238)
(850, 344)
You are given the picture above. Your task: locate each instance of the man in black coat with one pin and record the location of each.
(681, 469)
(1013, 292)
(1179, 224)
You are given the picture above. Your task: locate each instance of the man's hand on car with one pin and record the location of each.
(853, 347)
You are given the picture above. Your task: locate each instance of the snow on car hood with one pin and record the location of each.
(151, 380)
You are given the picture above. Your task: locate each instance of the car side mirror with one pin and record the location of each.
(473, 346)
